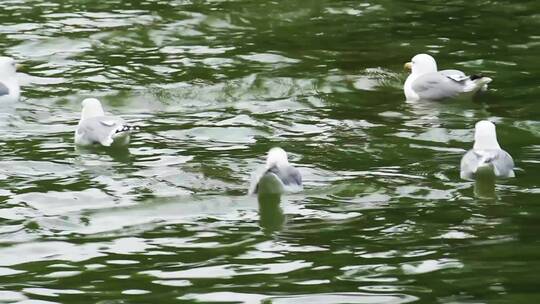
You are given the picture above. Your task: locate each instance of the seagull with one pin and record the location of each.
(10, 90)
(426, 83)
(486, 155)
(277, 176)
(97, 128)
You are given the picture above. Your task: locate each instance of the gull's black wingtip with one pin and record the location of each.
(128, 129)
(476, 76)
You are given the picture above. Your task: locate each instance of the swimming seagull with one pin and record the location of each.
(97, 128)
(486, 155)
(277, 176)
(426, 83)
(10, 90)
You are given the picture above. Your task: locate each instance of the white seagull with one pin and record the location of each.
(97, 128)
(486, 155)
(10, 90)
(277, 176)
(426, 83)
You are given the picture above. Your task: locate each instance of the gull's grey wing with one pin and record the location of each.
(289, 176)
(469, 164)
(500, 160)
(438, 85)
(3, 89)
(455, 75)
(100, 129)
(503, 164)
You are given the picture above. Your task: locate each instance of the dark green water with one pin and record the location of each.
(384, 217)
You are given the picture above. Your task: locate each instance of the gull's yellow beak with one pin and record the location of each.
(408, 66)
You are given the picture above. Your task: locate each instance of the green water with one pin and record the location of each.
(384, 217)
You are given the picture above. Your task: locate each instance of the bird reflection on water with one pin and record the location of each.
(117, 153)
(271, 216)
(484, 184)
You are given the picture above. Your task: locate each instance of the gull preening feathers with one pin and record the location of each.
(95, 128)
(486, 155)
(277, 176)
(10, 90)
(426, 83)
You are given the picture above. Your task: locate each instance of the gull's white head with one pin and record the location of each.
(422, 64)
(91, 107)
(8, 67)
(485, 136)
(276, 157)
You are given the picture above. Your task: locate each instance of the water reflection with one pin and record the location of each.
(271, 217)
(119, 154)
(484, 184)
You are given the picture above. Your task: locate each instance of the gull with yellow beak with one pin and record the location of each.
(426, 83)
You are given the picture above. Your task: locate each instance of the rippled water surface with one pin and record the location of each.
(384, 217)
